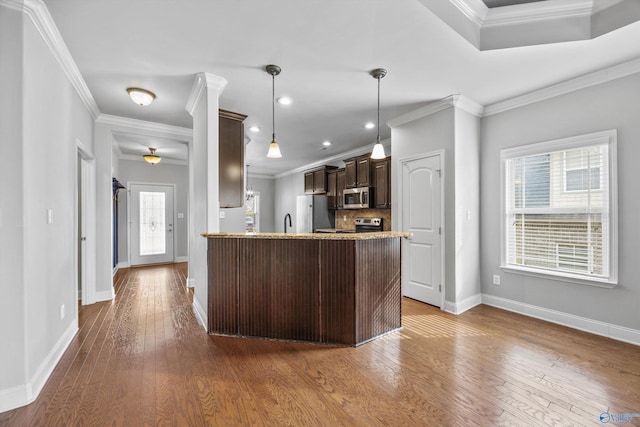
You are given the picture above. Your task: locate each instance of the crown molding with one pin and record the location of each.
(201, 82)
(260, 176)
(143, 125)
(537, 11)
(598, 77)
(459, 101)
(43, 22)
(386, 143)
(475, 10)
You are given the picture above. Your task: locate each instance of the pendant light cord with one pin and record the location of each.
(378, 110)
(273, 106)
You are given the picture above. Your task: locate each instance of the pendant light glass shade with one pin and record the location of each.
(274, 149)
(378, 149)
(378, 152)
(151, 157)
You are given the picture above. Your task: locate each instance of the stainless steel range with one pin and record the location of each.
(368, 225)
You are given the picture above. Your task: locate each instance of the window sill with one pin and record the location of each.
(563, 277)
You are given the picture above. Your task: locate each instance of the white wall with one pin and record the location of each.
(467, 204)
(45, 117)
(12, 318)
(429, 134)
(287, 189)
(266, 188)
(611, 105)
(162, 173)
(455, 132)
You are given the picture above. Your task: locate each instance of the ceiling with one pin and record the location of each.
(326, 49)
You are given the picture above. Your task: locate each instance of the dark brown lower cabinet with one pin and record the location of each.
(320, 290)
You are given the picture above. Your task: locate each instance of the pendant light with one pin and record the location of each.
(274, 149)
(378, 149)
(152, 157)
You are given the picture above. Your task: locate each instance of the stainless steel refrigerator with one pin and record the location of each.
(312, 212)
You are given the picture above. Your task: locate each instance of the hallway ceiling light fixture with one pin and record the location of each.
(274, 149)
(141, 96)
(152, 157)
(378, 149)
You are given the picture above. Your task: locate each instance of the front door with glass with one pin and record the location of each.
(151, 223)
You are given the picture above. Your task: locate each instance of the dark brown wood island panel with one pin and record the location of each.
(305, 288)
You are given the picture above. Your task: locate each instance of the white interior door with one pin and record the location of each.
(151, 224)
(421, 215)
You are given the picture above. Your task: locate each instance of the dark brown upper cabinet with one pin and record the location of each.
(341, 179)
(382, 183)
(335, 188)
(315, 180)
(358, 171)
(231, 159)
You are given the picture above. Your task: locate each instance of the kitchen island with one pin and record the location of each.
(328, 288)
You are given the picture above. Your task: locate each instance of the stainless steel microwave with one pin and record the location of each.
(357, 198)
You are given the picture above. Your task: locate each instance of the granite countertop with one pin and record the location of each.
(335, 230)
(309, 236)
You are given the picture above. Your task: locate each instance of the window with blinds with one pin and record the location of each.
(559, 208)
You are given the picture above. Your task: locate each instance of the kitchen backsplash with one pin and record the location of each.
(345, 218)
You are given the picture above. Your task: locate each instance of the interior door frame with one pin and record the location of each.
(85, 179)
(175, 213)
(401, 162)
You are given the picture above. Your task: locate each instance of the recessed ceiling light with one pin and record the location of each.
(284, 100)
(369, 125)
(326, 143)
(254, 128)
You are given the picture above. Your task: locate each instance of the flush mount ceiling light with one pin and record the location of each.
(284, 100)
(254, 128)
(274, 149)
(141, 96)
(369, 125)
(152, 157)
(326, 143)
(378, 149)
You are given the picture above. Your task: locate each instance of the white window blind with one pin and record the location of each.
(558, 207)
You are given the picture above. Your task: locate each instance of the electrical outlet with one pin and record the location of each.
(62, 312)
(221, 214)
(496, 279)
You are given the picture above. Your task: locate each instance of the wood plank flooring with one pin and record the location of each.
(143, 360)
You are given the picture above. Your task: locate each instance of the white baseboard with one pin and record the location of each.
(200, 312)
(464, 305)
(182, 259)
(124, 264)
(620, 333)
(191, 283)
(105, 295)
(24, 394)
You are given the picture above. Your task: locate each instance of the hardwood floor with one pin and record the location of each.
(144, 360)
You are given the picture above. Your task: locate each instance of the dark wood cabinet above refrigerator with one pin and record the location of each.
(315, 180)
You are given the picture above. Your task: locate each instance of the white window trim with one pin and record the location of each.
(608, 137)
